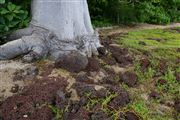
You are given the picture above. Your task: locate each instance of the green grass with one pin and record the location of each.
(169, 39)
(166, 48)
(156, 51)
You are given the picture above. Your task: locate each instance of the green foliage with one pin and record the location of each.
(12, 17)
(126, 11)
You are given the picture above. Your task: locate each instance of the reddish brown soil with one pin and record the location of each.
(131, 116)
(109, 60)
(31, 104)
(121, 55)
(73, 62)
(129, 78)
(93, 65)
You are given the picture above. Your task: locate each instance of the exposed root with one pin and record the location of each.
(35, 43)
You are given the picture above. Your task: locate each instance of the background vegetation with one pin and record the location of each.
(15, 14)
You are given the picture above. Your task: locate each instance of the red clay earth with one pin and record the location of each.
(129, 78)
(109, 60)
(93, 65)
(121, 55)
(31, 104)
(131, 116)
(73, 62)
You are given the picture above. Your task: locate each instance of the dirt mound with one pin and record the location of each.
(32, 103)
(73, 62)
(93, 65)
(129, 78)
(131, 116)
(121, 55)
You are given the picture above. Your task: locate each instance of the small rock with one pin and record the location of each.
(102, 51)
(73, 62)
(129, 78)
(15, 88)
(25, 116)
(142, 43)
(154, 95)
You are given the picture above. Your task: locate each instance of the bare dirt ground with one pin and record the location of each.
(43, 91)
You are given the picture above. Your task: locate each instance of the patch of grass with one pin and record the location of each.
(144, 76)
(58, 112)
(140, 108)
(172, 86)
(108, 99)
(158, 45)
(169, 39)
(165, 48)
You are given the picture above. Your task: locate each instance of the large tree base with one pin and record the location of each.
(36, 42)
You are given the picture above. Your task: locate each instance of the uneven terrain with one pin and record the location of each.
(137, 79)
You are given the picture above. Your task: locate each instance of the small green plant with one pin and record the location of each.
(172, 85)
(91, 102)
(58, 112)
(108, 99)
(140, 107)
(144, 76)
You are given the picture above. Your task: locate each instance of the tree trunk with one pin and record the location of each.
(57, 27)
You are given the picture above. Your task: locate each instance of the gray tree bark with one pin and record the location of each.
(57, 27)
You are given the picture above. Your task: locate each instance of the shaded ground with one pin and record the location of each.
(137, 79)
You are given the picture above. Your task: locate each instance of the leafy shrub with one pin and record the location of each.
(12, 17)
(130, 11)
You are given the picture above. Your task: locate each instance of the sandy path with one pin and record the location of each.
(7, 70)
(125, 29)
